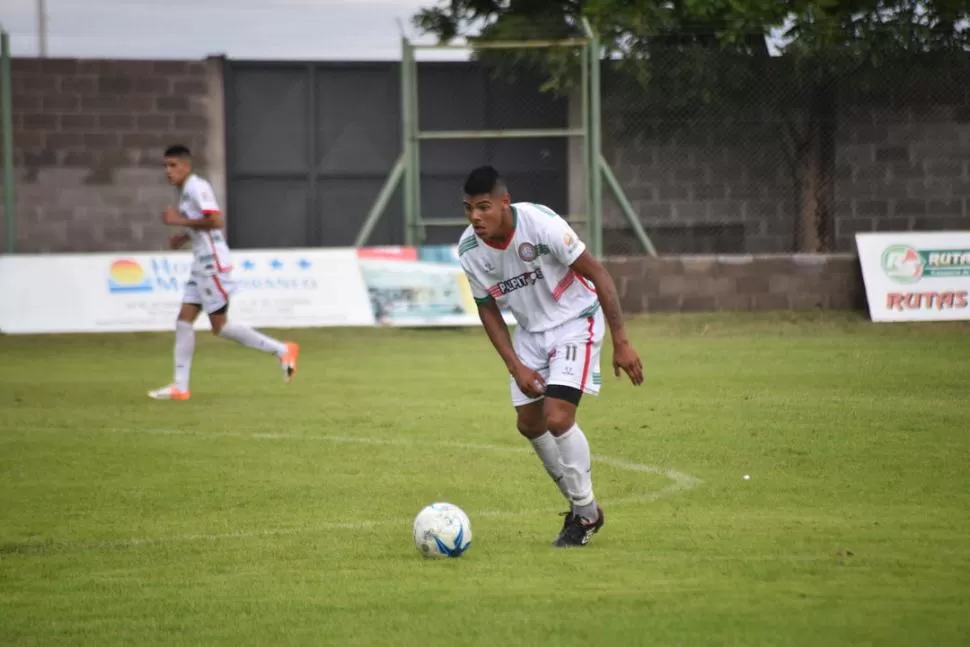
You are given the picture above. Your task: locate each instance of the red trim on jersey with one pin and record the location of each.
(225, 295)
(502, 245)
(508, 239)
(215, 255)
(563, 285)
(589, 354)
(210, 212)
(586, 283)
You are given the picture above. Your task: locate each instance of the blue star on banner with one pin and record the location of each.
(304, 264)
(248, 265)
(276, 264)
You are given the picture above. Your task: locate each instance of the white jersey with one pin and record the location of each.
(530, 272)
(209, 246)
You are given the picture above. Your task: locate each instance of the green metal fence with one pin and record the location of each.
(6, 134)
(407, 168)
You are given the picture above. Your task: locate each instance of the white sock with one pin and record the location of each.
(184, 349)
(249, 337)
(548, 451)
(576, 464)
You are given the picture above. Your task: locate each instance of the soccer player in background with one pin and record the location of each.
(525, 256)
(210, 284)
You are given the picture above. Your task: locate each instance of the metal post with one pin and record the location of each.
(407, 141)
(626, 207)
(596, 184)
(589, 161)
(41, 29)
(418, 222)
(383, 198)
(6, 109)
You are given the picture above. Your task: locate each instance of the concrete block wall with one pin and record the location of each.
(720, 182)
(88, 139)
(738, 282)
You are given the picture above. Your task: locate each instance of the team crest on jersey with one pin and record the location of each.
(528, 252)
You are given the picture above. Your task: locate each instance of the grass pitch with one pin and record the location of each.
(259, 513)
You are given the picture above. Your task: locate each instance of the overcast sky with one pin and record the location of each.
(191, 29)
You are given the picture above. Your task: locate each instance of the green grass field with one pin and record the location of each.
(259, 513)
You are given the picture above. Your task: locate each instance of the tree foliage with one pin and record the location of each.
(838, 31)
(684, 56)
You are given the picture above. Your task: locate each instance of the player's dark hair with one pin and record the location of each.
(484, 180)
(178, 150)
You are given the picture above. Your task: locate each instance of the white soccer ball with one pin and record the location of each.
(442, 530)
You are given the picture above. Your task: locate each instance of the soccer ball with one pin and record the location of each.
(442, 530)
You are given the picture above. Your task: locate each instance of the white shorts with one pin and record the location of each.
(212, 292)
(568, 355)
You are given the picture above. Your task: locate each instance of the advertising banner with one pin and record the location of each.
(916, 276)
(418, 286)
(142, 291)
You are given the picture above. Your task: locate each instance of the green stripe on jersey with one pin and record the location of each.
(590, 311)
(484, 299)
(544, 209)
(466, 245)
(597, 379)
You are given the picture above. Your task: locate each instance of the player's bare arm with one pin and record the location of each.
(528, 380)
(624, 356)
(171, 216)
(176, 241)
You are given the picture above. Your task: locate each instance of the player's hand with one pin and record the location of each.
(624, 357)
(171, 216)
(176, 240)
(529, 381)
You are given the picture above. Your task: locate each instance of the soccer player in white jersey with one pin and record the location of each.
(526, 257)
(210, 283)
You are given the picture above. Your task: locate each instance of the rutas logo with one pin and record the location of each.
(906, 264)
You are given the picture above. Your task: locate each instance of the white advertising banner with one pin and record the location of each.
(63, 293)
(916, 276)
(419, 286)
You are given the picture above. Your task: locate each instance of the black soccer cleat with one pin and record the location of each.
(565, 522)
(567, 517)
(576, 533)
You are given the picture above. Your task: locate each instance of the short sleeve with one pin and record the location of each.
(479, 292)
(205, 198)
(563, 243)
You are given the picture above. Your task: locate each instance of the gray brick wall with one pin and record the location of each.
(738, 282)
(89, 133)
(88, 138)
(720, 183)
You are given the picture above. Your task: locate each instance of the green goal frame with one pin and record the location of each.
(407, 168)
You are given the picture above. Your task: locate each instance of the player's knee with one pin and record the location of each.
(188, 313)
(560, 419)
(531, 429)
(531, 422)
(218, 320)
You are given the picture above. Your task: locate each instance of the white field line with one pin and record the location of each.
(680, 482)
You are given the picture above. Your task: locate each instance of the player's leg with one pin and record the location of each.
(531, 422)
(216, 296)
(586, 516)
(573, 371)
(530, 416)
(184, 347)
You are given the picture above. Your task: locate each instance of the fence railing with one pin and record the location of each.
(507, 62)
(6, 134)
